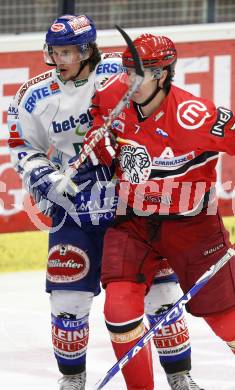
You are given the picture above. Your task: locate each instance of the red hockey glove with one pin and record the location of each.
(104, 151)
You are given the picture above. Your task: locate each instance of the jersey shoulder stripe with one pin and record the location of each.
(110, 65)
(30, 83)
(195, 163)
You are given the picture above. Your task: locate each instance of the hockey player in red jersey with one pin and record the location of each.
(166, 147)
(50, 112)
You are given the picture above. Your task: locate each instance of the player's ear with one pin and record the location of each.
(163, 77)
(90, 51)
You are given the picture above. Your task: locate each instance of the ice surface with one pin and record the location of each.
(26, 357)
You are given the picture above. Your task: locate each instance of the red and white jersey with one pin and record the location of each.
(166, 162)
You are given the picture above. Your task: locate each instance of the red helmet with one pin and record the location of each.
(155, 51)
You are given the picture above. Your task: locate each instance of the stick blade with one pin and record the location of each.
(139, 69)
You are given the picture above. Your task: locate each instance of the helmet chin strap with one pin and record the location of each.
(83, 64)
(152, 96)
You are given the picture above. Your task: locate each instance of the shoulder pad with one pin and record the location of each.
(114, 54)
(35, 80)
(110, 65)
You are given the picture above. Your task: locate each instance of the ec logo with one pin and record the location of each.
(189, 114)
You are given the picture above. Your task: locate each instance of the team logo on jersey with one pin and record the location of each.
(84, 120)
(223, 117)
(192, 114)
(15, 130)
(33, 81)
(173, 162)
(118, 125)
(13, 111)
(113, 54)
(39, 94)
(135, 163)
(108, 68)
(54, 86)
(162, 132)
(67, 263)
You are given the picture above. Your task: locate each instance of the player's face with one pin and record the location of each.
(145, 90)
(68, 60)
(148, 85)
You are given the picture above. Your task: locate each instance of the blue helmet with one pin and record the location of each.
(77, 30)
(71, 30)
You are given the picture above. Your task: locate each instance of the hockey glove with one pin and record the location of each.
(96, 203)
(42, 185)
(104, 151)
(90, 174)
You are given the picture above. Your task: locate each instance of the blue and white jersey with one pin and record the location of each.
(50, 115)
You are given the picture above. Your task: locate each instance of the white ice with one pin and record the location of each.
(26, 357)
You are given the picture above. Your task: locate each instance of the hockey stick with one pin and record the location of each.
(138, 78)
(166, 318)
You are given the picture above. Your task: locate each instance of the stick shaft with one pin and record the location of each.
(166, 318)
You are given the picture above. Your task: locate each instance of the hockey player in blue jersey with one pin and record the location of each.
(50, 111)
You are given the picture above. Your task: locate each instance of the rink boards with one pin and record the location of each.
(204, 68)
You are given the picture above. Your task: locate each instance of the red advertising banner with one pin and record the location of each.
(204, 68)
